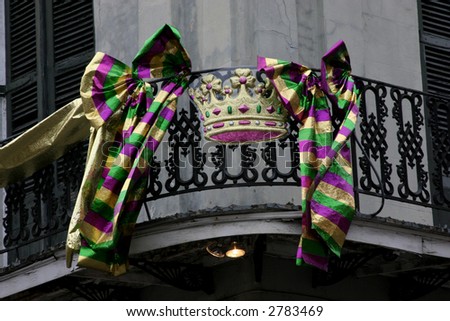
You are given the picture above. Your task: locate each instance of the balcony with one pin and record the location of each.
(404, 133)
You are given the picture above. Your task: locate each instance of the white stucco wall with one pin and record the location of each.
(382, 38)
(116, 27)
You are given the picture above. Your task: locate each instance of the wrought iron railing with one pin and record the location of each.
(404, 132)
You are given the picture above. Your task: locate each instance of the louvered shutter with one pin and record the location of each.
(73, 42)
(24, 111)
(435, 37)
(49, 44)
(23, 38)
(73, 37)
(22, 96)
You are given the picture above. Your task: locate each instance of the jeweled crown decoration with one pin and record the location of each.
(240, 112)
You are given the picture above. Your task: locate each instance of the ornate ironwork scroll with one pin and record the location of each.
(373, 138)
(38, 209)
(184, 141)
(410, 142)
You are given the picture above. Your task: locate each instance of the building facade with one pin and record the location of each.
(202, 196)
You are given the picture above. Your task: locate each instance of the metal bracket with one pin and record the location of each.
(99, 292)
(189, 277)
(413, 285)
(340, 268)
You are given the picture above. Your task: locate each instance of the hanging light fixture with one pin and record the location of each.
(235, 251)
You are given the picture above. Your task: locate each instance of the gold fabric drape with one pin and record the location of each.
(43, 143)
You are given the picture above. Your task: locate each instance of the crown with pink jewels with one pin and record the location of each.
(241, 112)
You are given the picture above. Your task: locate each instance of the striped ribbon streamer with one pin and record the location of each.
(325, 162)
(112, 92)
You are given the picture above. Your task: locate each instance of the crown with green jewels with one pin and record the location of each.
(240, 112)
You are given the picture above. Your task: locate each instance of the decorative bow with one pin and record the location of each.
(112, 91)
(325, 162)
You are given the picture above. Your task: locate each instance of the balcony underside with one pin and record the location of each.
(376, 249)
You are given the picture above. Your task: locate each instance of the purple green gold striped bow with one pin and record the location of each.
(109, 87)
(325, 163)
